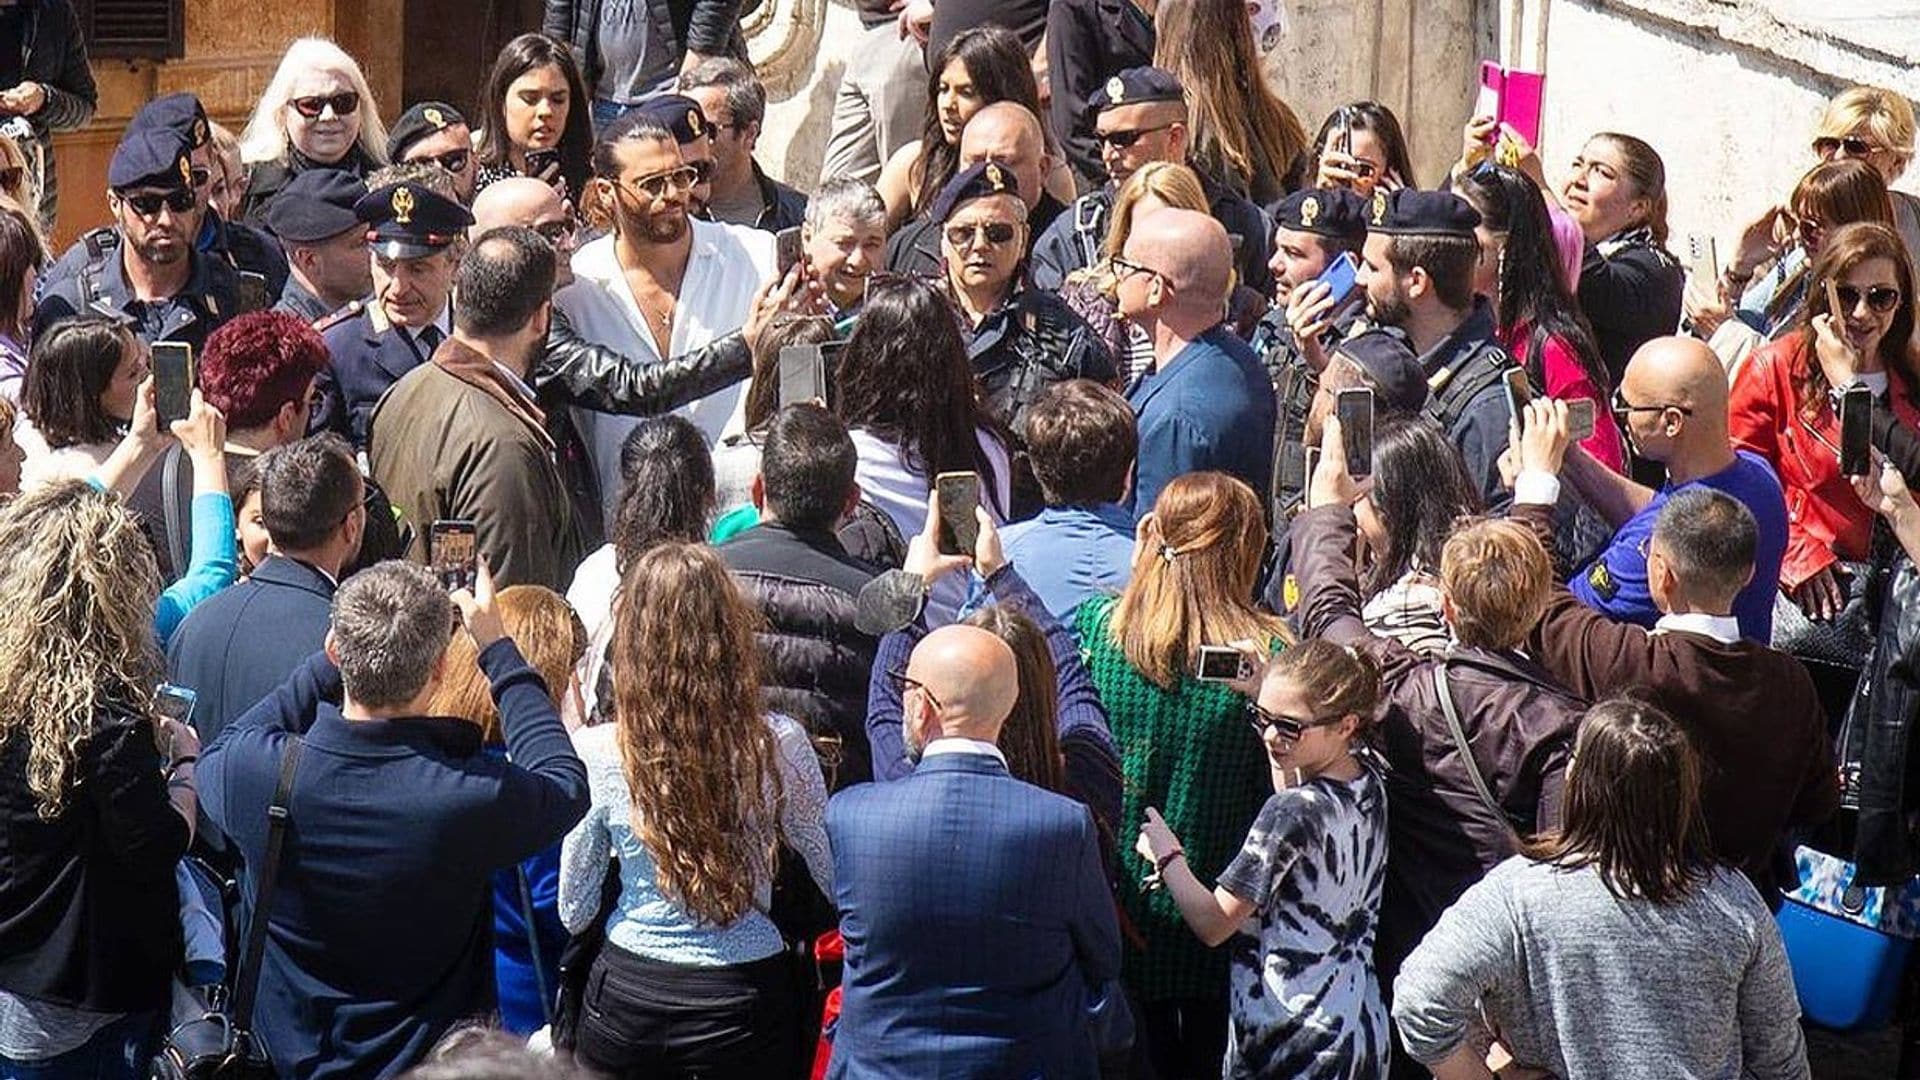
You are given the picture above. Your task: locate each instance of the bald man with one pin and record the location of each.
(1206, 402)
(1009, 135)
(978, 924)
(576, 372)
(1672, 406)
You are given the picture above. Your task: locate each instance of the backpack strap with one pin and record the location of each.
(278, 814)
(1455, 388)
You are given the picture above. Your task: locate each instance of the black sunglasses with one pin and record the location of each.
(311, 106)
(1261, 719)
(148, 203)
(1120, 140)
(992, 233)
(1826, 145)
(1879, 298)
(556, 232)
(1621, 409)
(454, 161)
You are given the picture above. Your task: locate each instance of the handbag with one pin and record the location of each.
(576, 960)
(220, 1045)
(1841, 642)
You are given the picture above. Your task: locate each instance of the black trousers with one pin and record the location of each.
(647, 1018)
(1185, 1038)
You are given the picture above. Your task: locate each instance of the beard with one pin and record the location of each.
(664, 227)
(1390, 311)
(166, 253)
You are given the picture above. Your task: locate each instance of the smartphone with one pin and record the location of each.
(1580, 419)
(786, 246)
(174, 702)
(959, 494)
(1341, 275)
(803, 374)
(1519, 392)
(1355, 410)
(1313, 462)
(1856, 431)
(1703, 258)
(543, 165)
(172, 381)
(1221, 663)
(452, 548)
(1343, 138)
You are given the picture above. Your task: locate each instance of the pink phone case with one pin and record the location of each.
(1511, 97)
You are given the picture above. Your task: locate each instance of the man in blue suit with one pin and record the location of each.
(978, 925)
(239, 645)
(417, 232)
(1207, 403)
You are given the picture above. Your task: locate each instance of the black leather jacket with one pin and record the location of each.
(702, 26)
(574, 371)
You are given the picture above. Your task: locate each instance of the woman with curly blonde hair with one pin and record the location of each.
(694, 787)
(96, 794)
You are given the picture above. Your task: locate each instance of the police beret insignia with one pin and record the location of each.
(1379, 207)
(403, 206)
(1309, 210)
(1116, 90)
(695, 123)
(995, 178)
(186, 170)
(435, 117)
(199, 132)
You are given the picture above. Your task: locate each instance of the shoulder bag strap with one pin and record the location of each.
(533, 941)
(1460, 745)
(241, 1014)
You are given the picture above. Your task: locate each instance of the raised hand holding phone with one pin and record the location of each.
(1330, 483)
(477, 608)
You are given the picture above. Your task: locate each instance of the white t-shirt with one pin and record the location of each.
(725, 268)
(887, 482)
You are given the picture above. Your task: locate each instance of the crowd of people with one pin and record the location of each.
(1106, 583)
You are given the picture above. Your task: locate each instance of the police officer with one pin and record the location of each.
(145, 268)
(1020, 340)
(326, 244)
(436, 133)
(252, 252)
(1312, 229)
(1141, 116)
(417, 230)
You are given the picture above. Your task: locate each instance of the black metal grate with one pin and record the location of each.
(154, 29)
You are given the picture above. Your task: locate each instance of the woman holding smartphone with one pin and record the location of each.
(536, 122)
(1303, 996)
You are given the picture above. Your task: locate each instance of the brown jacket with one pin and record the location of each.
(1519, 724)
(1752, 713)
(455, 438)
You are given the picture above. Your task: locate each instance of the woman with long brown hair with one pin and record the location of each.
(1243, 135)
(1184, 747)
(1614, 946)
(694, 788)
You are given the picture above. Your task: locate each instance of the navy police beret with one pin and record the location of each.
(1135, 86)
(182, 112)
(151, 156)
(973, 182)
(1390, 366)
(317, 204)
(419, 122)
(1334, 212)
(407, 220)
(1408, 212)
(681, 114)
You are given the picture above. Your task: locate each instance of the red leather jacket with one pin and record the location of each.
(1826, 521)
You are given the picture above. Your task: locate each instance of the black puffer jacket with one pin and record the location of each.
(816, 663)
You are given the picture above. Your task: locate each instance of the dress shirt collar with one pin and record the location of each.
(952, 744)
(1724, 629)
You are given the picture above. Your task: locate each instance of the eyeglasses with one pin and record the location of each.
(657, 185)
(556, 233)
(1118, 268)
(1879, 298)
(1120, 140)
(1621, 408)
(1827, 145)
(148, 203)
(345, 103)
(990, 233)
(1288, 727)
(454, 161)
(702, 171)
(904, 682)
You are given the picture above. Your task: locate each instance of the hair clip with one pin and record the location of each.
(1167, 552)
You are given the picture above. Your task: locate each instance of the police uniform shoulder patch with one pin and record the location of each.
(1290, 592)
(1601, 581)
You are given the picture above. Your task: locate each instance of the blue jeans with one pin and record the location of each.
(123, 1050)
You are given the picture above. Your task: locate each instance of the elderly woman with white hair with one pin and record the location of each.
(318, 111)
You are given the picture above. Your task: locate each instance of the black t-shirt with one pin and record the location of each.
(1027, 18)
(13, 23)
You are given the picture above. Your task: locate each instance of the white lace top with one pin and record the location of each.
(644, 921)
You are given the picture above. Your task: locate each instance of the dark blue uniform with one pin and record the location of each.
(369, 355)
(89, 279)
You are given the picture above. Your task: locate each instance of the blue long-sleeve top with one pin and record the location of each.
(212, 565)
(1092, 764)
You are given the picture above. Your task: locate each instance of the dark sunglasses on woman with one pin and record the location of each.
(1826, 145)
(344, 104)
(1880, 298)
